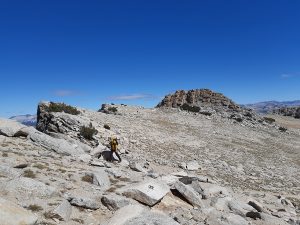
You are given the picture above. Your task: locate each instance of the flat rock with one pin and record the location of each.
(11, 214)
(148, 192)
(59, 146)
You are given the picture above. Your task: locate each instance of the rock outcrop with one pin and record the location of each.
(209, 103)
(205, 99)
(288, 111)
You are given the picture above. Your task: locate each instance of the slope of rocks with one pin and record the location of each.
(177, 168)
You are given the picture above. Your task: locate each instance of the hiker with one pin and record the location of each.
(113, 149)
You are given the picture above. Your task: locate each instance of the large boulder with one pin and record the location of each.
(59, 146)
(100, 178)
(148, 192)
(189, 193)
(11, 214)
(115, 202)
(84, 201)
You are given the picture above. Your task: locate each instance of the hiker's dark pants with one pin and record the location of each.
(112, 157)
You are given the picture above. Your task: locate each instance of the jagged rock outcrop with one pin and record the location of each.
(288, 111)
(207, 102)
(202, 98)
(60, 123)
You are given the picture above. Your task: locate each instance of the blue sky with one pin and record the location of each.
(86, 53)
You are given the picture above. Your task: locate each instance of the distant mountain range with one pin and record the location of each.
(28, 120)
(270, 106)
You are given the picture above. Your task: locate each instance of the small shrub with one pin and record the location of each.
(35, 208)
(113, 109)
(282, 129)
(50, 215)
(78, 220)
(111, 189)
(87, 178)
(61, 170)
(40, 166)
(238, 119)
(206, 113)
(107, 127)
(269, 120)
(29, 174)
(189, 108)
(62, 107)
(88, 132)
(4, 154)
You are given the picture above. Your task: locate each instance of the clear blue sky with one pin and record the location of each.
(89, 52)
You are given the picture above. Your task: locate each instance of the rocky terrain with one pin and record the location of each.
(288, 111)
(178, 166)
(270, 106)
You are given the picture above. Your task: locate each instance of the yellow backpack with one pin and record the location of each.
(114, 144)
